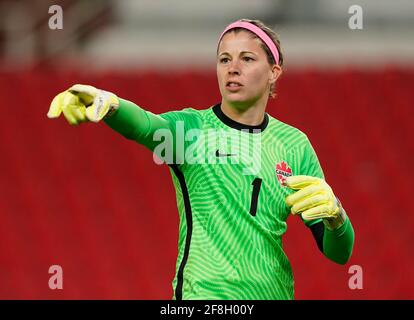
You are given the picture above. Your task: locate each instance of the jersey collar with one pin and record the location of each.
(237, 125)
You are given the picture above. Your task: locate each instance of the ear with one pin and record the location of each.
(275, 73)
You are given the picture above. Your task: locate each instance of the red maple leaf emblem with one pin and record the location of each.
(282, 172)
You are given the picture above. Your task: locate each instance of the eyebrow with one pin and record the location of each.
(226, 53)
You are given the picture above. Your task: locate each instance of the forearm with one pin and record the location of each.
(338, 243)
(135, 123)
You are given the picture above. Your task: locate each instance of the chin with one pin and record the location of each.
(236, 97)
(240, 101)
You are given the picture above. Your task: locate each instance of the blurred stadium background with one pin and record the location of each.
(96, 204)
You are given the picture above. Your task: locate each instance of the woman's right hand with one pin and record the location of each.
(82, 103)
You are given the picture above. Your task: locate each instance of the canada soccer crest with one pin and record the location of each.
(282, 172)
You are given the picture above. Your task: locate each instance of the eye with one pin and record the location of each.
(224, 60)
(248, 59)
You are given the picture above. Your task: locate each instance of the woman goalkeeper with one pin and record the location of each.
(233, 203)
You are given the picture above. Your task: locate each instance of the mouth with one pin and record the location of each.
(233, 85)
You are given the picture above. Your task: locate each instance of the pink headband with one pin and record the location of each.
(257, 31)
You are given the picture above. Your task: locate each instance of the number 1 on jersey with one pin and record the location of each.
(255, 195)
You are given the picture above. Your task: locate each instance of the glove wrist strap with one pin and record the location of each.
(335, 223)
(114, 103)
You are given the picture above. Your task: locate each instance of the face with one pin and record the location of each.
(243, 72)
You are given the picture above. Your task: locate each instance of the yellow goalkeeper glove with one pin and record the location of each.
(81, 103)
(314, 199)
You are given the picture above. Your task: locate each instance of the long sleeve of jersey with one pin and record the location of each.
(338, 243)
(163, 133)
(137, 124)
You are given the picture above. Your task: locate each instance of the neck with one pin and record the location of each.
(252, 115)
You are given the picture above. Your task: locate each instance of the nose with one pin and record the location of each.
(234, 67)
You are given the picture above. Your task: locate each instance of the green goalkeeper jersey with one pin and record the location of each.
(229, 180)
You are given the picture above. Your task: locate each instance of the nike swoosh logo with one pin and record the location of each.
(218, 154)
